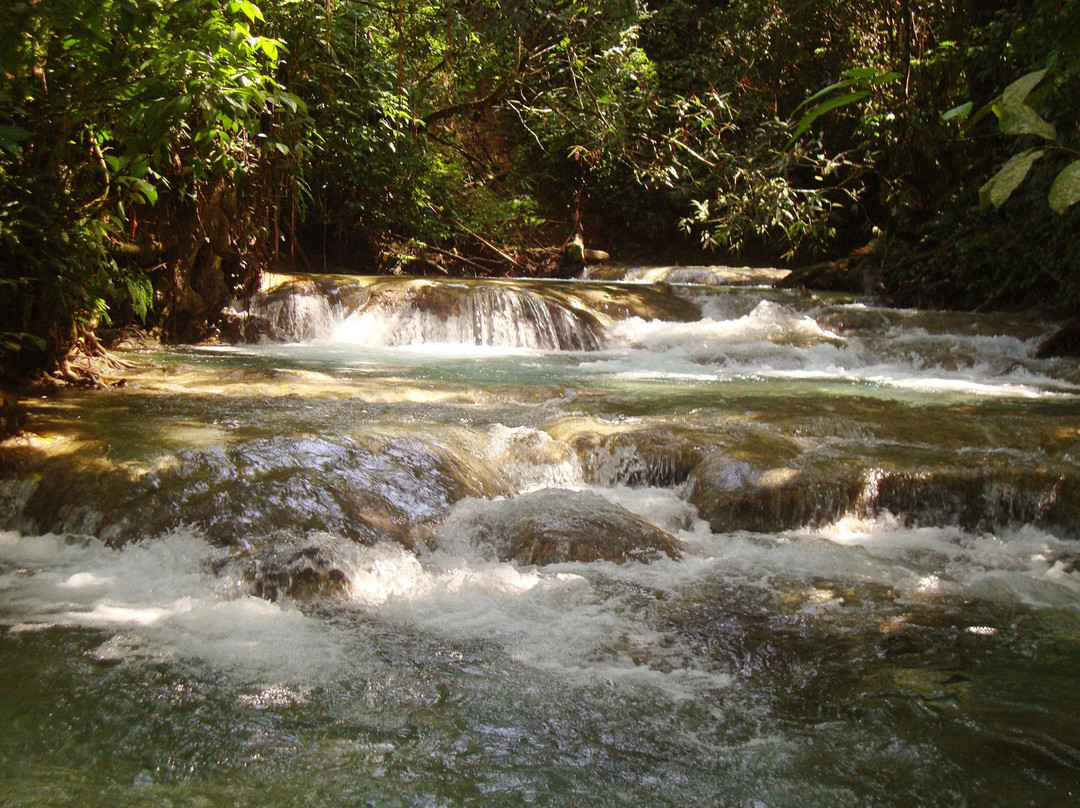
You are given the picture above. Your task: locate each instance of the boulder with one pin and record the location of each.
(1065, 342)
(315, 567)
(732, 494)
(556, 526)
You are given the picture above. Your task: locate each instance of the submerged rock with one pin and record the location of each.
(315, 567)
(555, 526)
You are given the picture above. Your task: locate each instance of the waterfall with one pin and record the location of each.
(296, 311)
(456, 314)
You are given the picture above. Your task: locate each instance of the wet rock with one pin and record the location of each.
(845, 275)
(236, 327)
(617, 455)
(649, 301)
(1063, 342)
(414, 311)
(365, 493)
(556, 526)
(12, 415)
(849, 321)
(292, 312)
(733, 494)
(314, 567)
(977, 498)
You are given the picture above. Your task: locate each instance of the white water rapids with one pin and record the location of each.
(282, 572)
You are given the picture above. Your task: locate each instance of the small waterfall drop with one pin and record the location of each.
(296, 311)
(502, 316)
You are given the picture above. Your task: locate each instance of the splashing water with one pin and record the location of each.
(876, 588)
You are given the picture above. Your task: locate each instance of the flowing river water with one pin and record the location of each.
(446, 543)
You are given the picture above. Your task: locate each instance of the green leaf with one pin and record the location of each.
(1016, 92)
(148, 191)
(853, 78)
(11, 137)
(15, 342)
(141, 291)
(1065, 192)
(269, 47)
(1020, 119)
(961, 112)
(840, 85)
(247, 8)
(821, 109)
(1000, 187)
(884, 78)
(293, 102)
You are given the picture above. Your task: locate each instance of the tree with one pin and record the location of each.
(128, 132)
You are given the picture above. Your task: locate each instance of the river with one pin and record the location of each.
(448, 543)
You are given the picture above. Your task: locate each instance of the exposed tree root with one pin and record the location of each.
(86, 364)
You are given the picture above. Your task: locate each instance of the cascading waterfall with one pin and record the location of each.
(492, 316)
(411, 541)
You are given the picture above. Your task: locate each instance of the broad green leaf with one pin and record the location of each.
(13, 341)
(853, 78)
(288, 99)
(148, 191)
(840, 85)
(884, 78)
(269, 47)
(821, 109)
(16, 133)
(1016, 92)
(1000, 187)
(247, 8)
(1020, 119)
(961, 112)
(11, 137)
(1065, 192)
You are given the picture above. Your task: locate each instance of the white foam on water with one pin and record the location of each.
(549, 618)
(159, 596)
(774, 341)
(530, 459)
(769, 323)
(563, 619)
(1025, 565)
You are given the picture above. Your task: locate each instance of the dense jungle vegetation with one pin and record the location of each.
(155, 155)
